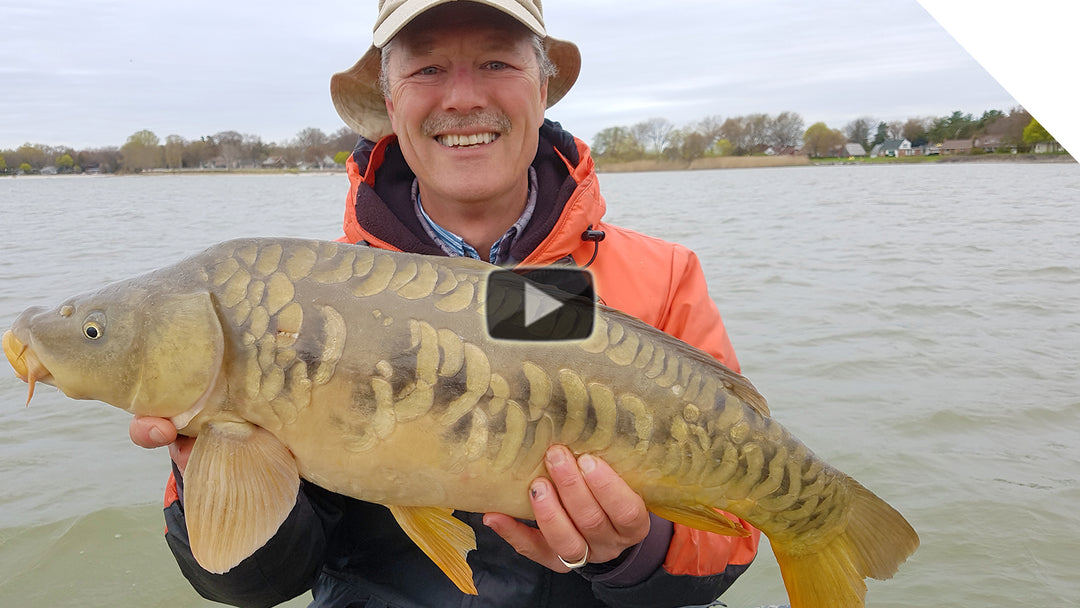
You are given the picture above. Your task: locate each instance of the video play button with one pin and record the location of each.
(540, 304)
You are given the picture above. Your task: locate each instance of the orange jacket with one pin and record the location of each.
(347, 551)
(659, 282)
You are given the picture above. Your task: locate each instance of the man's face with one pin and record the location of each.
(466, 102)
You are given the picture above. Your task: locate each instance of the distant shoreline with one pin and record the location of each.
(166, 172)
(643, 166)
(753, 162)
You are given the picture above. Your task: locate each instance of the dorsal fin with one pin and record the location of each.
(734, 381)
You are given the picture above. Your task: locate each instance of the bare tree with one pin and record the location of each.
(199, 152)
(1010, 127)
(253, 150)
(105, 160)
(786, 129)
(230, 147)
(312, 143)
(655, 132)
(858, 131)
(686, 144)
(737, 132)
(760, 127)
(709, 127)
(343, 140)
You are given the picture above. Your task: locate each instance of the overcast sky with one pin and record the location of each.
(91, 73)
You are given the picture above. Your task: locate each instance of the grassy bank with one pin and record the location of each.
(953, 158)
(716, 162)
(750, 162)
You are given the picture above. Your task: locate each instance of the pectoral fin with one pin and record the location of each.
(700, 517)
(240, 485)
(442, 537)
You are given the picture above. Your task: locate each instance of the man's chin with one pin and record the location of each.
(474, 185)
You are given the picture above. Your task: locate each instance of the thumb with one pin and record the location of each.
(151, 432)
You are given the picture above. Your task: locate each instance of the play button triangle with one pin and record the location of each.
(538, 304)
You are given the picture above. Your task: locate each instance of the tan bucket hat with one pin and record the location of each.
(358, 96)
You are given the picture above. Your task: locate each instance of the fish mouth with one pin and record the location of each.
(28, 367)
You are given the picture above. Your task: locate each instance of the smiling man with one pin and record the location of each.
(466, 102)
(456, 158)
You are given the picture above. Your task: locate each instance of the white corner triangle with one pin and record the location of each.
(1035, 71)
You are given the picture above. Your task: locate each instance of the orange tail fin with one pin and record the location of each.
(874, 542)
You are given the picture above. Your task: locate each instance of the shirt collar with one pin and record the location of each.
(455, 246)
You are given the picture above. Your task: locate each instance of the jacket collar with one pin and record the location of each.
(568, 201)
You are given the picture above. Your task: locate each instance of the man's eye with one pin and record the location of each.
(496, 65)
(428, 71)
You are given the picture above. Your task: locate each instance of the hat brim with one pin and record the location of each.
(358, 97)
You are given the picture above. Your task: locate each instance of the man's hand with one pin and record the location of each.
(150, 432)
(584, 507)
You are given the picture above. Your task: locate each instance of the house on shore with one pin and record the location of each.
(783, 150)
(893, 148)
(991, 143)
(1047, 147)
(854, 149)
(957, 146)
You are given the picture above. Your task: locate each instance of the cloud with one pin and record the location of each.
(92, 73)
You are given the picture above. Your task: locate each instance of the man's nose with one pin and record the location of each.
(465, 91)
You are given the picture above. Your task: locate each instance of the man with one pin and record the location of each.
(456, 158)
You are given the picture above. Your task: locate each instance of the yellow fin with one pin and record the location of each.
(700, 517)
(874, 541)
(240, 485)
(442, 537)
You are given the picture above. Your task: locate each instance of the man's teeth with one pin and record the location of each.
(451, 141)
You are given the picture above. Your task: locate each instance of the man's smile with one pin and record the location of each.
(462, 141)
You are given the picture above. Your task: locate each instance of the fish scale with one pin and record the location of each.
(371, 373)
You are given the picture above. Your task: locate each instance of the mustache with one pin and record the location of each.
(485, 120)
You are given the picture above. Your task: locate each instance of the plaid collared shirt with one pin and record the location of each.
(456, 246)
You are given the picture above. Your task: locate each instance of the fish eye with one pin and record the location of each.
(92, 330)
(94, 327)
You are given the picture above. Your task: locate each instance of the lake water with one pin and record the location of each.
(917, 326)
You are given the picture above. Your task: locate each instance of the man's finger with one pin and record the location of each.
(624, 508)
(559, 530)
(575, 494)
(526, 540)
(150, 432)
